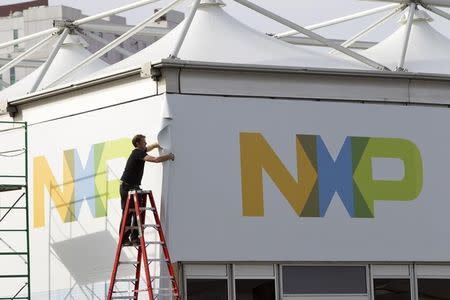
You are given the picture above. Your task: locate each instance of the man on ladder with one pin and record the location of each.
(131, 180)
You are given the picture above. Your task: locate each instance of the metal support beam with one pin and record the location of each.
(113, 11)
(341, 20)
(437, 11)
(412, 10)
(25, 54)
(312, 35)
(186, 25)
(147, 33)
(29, 37)
(117, 41)
(348, 43)
(49, 60)
(95, 37)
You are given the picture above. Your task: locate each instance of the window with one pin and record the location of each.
(392, 289)
(16, 36)
(206, 289)
(433, 289)
(12, 75)
(255, 289)
(324, 280)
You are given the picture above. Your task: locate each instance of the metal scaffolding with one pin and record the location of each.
(14, 212)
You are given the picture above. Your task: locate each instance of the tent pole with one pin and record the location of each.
(116, 42)
(412, 9)
(104, 42)
(25, 54)
(49, 60)
(340, 20)
(312, 35)
(437, 11)
(29, 37)
(355, 38)
(186, 25)
(113, 11)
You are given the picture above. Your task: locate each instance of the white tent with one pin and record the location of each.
(428, 50)
(215, 36)
(71, 53)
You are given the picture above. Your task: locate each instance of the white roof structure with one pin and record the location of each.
(72, 52)
(428, 50)
(215, 36)
(209, 34)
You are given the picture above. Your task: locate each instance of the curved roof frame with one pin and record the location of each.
(62, 28)
(394, 8)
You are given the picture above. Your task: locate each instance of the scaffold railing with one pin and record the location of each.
(14, 212)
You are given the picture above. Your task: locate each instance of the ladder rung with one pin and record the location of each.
(163, 289)
(14, 276)
(13, 253)
(128, 262)
(162, 277)
(157, 259)
(123, 297)
(142, 209)
(156, 226)
(170, 294)
(126, 280)
(154, 243)
(5, 207)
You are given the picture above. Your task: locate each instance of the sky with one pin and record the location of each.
(303, 12)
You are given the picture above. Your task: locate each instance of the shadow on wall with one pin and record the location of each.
(89, 258)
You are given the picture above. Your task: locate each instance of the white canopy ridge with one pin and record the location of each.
(428, 50)
(215, 36)
(72, 51)
(442, 3)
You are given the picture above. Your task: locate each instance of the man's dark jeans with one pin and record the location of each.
(131, 219)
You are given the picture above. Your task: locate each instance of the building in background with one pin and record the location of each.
(22, 19)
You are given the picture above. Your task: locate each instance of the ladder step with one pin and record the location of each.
(128, 262)
(145, 226)
(162, 277)
(123, 297)
(126, 280)
(150, 260)
(166, 294)
(142, 209)
(154, 243)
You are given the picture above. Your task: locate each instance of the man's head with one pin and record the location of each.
(139, 142)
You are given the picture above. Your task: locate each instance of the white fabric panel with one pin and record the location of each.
(433, 271)
(254, 271)
(205, 270)
(389, 271)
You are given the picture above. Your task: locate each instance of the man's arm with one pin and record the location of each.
(153, 146)
(159, 159)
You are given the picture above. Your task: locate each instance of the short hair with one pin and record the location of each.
(137, 139)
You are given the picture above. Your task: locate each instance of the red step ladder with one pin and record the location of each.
(171, 291)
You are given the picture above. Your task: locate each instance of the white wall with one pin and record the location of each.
(206, 221)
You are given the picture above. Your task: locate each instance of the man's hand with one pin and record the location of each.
(171, 156)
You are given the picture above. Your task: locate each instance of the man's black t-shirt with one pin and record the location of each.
(134, 169)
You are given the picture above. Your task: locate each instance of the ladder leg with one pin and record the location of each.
(144, 252)
(140, 249)
(119, 249)
(164, 247)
